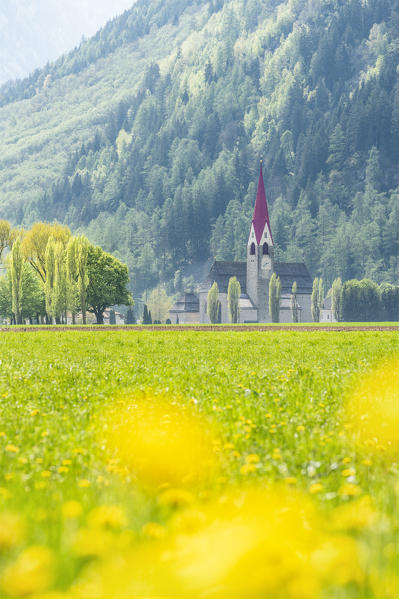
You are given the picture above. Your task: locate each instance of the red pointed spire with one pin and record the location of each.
(261, 213)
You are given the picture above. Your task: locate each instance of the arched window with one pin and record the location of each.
(252, 251)
(265, 249)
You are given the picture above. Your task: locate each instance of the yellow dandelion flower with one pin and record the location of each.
(176, 498)
(349, 490)
(9, 476)
(12, 449)
(346, 460)
(46, 474)
(22, 460)
(107, 516)
(12, 530)
(373, 409)
(84, 483)
(153, 530)
(66, 462)
(2, 434)
(71, 509)
(31, 573)
(316, 488)
(366, 462)
(34, 412)
(348, 472)
(247, 468)
(252, 458)
(290, 480)
(63, 469)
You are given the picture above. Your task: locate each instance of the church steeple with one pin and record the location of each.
(260, 253)
(260, 218)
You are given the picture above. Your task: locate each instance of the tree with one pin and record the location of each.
(213, 304)
(5, 235)
(294, 303)
(130, 319)
(361, 301)
(60, 292)
(274, 297)
(49, 282)
(336, 298)
(16, 266)
(317, 291)
(35, 241)
(390, 302)
(159, 303)
(146, 317)
(112, 317)
(233, 299)
(78, 279)
(108, 280)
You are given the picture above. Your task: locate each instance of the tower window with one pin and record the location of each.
(252, 250)
(265, 249)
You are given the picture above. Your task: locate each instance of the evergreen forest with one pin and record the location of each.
(147, 137)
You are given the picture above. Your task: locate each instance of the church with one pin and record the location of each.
(254, 276)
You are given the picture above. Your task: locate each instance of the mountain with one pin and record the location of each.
(33, 33)
(148, 136)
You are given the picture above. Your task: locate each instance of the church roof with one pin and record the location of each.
(294, 271)
(261, 213)
(188, 302)
(287, 271)
(221, 273)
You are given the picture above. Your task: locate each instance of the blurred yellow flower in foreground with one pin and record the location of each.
(31, 573)
(250, 543)
(373, 409)
(12, 530)
(161, 443)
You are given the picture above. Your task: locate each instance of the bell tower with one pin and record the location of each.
(260, 254)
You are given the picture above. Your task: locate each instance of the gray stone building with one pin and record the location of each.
(254, 276)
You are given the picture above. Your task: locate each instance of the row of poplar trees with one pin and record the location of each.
(51, 273)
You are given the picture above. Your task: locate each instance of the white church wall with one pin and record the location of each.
(306, 312)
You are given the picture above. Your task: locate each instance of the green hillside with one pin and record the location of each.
(148, 136)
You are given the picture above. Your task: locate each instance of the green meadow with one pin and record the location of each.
(76, 510)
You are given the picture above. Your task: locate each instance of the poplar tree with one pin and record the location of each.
(213, 304)
(17, 263)
(294, 303)
(315, 306)
(274, 298)
(233, 299)
(78, 279)
(60, 294)
(49, 268)
(336, 299)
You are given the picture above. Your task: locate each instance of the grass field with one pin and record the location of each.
(199, 464)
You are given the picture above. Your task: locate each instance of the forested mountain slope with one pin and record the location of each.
(149, 136)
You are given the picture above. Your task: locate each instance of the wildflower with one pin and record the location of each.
(84, 483)
(12, 449)
(153, 530)
(373, 409)
(107, 516)
(71, 509)
(247, 469)
(348, 472)
(46, 474)
(252, 458)
(162, 443)
(31, 573)
(63, 469)
(349, 490)
(176, 498)
(300, 428)
(12, 530)
(316, 488)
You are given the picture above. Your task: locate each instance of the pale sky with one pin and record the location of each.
(33, 32)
